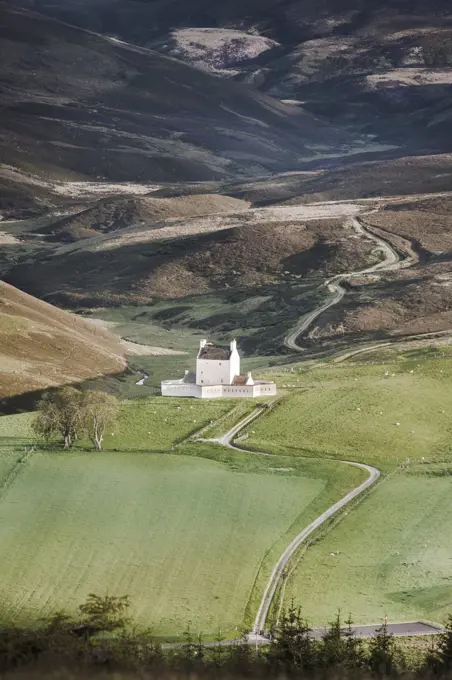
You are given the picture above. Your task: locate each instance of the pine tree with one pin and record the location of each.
(332, 649)
(293, 648)
(354, 652)
(439, 658)
(382, 652)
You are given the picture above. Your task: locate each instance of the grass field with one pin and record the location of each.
(15, 438)
(194, 536)
(157, 424)
(392, 557)
(259, 316)
(190, 537)
(381, 414)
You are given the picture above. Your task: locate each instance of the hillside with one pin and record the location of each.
(193, 257)
(381, 67)
(114, 214)
(429, 173)
(76, 105)
(41, 346)
(407, 301)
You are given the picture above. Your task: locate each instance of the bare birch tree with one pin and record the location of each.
(99, 411)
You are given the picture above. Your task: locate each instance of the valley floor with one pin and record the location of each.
(191, 530)
(190, 535)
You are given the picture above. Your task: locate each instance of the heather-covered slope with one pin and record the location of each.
(140, 265)
(41, 346)
(77, 105)
(380, 66)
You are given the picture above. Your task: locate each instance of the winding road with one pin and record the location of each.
(391, 262)
(279, 568)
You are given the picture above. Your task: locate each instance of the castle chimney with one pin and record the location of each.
(233, 345)
(202, 344)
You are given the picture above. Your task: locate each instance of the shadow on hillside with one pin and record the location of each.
(26, 402)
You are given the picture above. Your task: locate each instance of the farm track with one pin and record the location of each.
(391, 262)
(279, 568)
(416, 628)
(334, 285)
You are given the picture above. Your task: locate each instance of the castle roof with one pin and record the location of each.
(215, 353)
(240, 380)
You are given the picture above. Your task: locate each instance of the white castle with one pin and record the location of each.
(217, 375)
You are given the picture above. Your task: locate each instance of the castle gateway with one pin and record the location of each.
(217, 375)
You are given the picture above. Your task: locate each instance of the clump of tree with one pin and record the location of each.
(60, 415)
(101, 636)
(294, 650)
(70, 414)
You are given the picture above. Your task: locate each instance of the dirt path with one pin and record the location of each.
(260, 621)
(391, 262)
(257, 636)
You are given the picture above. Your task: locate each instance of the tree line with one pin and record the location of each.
(102, 638)
(70, 414)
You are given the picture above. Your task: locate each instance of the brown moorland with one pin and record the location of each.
(426, 223)
(41, 346)
(410, 301)
(253, 254)
(119, 213)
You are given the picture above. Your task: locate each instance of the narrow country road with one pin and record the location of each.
(334, 284)
(391, 262)
(260, 621)
(278, 570)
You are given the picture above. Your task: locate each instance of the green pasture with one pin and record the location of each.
(192, 533)
(191, 536)
(382, 414)
(158, 423)
(391, 556)
(16, 438)
(259, 317)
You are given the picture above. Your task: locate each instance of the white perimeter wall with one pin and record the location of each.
(216, 391)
